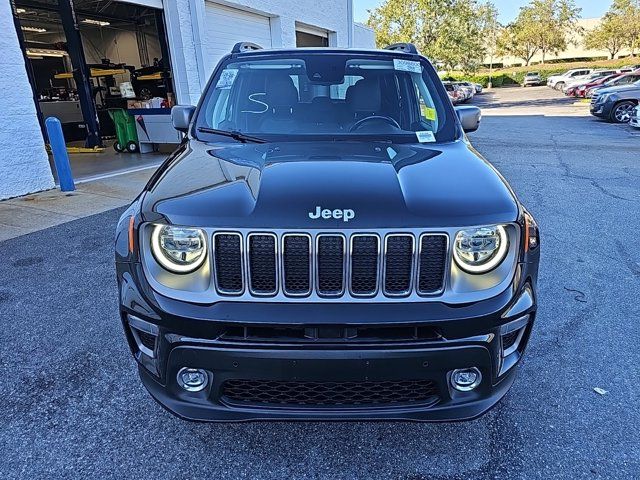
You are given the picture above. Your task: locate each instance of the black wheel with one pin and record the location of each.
(132, 147)
(118, 147)
(621, 113)
(559, 85)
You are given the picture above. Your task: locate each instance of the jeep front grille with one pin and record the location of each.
(398, 264)
(296, 264)
(263, 261)
(365, 257)
(227, 252)
(331, 265)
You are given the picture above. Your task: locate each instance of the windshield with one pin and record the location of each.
(285, 97)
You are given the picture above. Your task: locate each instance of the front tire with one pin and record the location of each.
(621, 113)
(559, 86)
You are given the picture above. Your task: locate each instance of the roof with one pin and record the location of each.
(247, 48)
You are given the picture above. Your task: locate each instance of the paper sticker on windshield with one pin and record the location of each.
(425, 136)
(406, 65)
(227, 77)
(429, 113)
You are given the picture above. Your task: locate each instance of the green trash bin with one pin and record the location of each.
(126, 135)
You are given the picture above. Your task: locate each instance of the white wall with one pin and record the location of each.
(187, 33)
(24, 165)
(363, 36)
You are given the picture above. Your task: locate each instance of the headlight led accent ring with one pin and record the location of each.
(175, 265)
(493, 257)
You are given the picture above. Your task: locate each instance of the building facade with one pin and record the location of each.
(575, 49)
(198, 33)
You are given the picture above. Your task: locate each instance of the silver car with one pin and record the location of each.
(532, 79)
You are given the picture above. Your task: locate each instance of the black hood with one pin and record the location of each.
(277, 185)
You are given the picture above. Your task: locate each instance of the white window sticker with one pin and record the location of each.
(425, 136)
(406, 65)
(227, 77)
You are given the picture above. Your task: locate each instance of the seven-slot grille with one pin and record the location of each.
(329, 264)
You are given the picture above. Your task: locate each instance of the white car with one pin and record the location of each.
(468, 91)
(559, 81)
(635, 117)
(574, 82)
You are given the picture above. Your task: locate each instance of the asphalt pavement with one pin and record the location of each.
(71, 405)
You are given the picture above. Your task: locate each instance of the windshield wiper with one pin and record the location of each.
(241, 137)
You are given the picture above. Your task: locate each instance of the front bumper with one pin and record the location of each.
(602, 110)
(197, 336)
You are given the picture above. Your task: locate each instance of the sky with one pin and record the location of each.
(508, 8)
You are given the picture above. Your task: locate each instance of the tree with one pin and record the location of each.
(609, 35)
(491, 31)
(544, 26)
(519, 37)
(629, 10)
(447, 31)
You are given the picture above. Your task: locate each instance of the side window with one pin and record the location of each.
(428, 112)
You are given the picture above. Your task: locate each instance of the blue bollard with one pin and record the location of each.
(60, 156)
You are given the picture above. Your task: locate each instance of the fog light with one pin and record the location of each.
(193, 379)
(466, 379)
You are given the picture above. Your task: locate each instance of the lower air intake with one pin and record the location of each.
(329, 394)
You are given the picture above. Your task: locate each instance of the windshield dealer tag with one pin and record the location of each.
(425, 136)
(227, 77)
(406, 65)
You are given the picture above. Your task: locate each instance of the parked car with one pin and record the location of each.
(558, 81)
(635, 117)
(629, 68)
(592, 76)
(476, 86)
(532, 79)
(616, 104)
(454, 92)
(581, 90)
(468, 91)
(270, 271)
(621, 80)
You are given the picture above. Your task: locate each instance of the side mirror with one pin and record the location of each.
(469, 117)
(181, 117)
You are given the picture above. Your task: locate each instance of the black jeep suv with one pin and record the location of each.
(326, 244)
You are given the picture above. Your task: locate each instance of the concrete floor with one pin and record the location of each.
(91, 165)
(30, 213)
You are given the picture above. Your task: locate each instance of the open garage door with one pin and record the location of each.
(225, 26)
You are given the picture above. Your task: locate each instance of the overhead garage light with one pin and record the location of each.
(20, 10)
(100, 23)
(44, 52)
(34, 29)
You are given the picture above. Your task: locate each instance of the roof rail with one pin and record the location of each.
(242, 47)
(403, 47)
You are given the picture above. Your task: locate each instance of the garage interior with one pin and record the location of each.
(95, 64)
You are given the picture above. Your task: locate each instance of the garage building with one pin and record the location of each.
(83, 60)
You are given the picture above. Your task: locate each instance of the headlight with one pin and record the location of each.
(178, 249)
(604, 98)
(479, 250)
